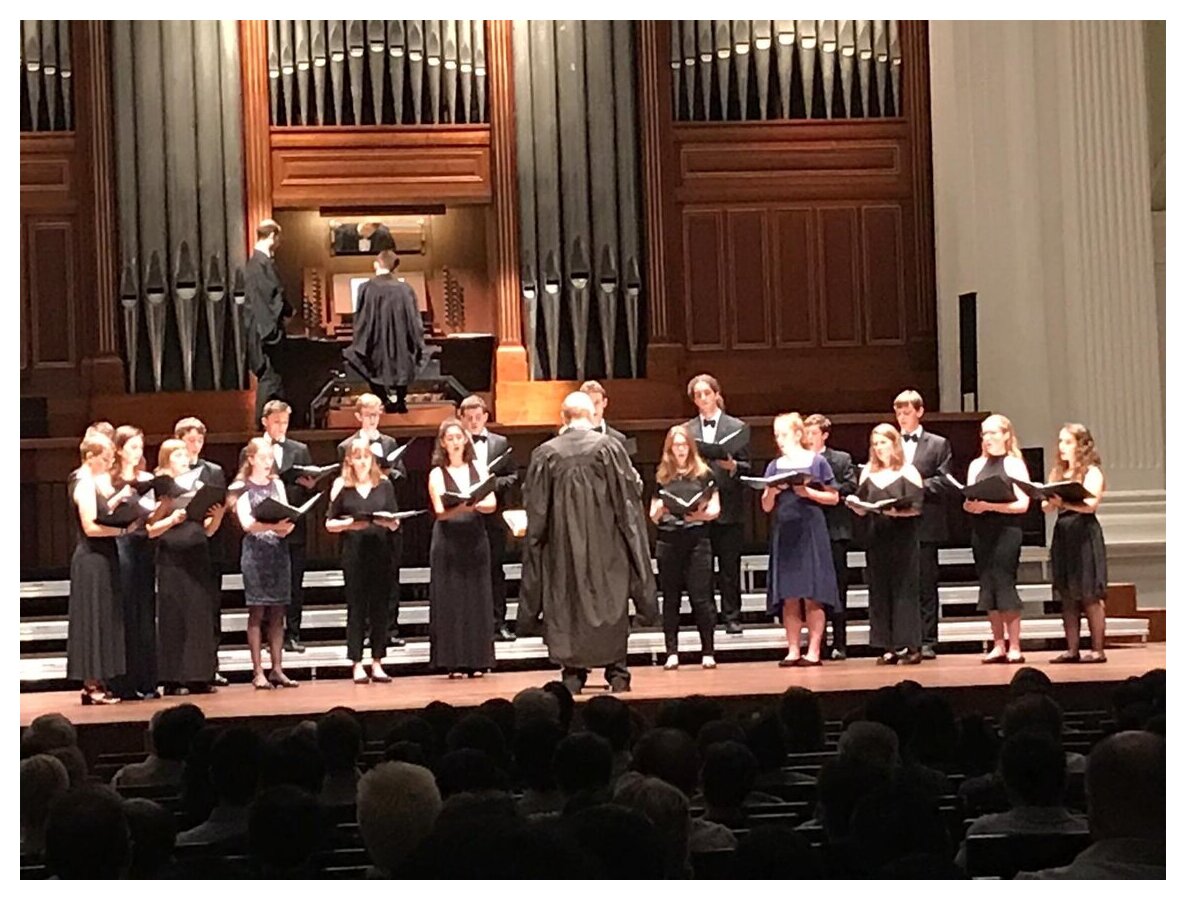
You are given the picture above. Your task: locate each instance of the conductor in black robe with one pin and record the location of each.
(388, 345)
(264, 312)
(586, 553)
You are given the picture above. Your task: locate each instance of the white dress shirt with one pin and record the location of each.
(709, 433)
(909, 447)
(278, 452)
(481, 448)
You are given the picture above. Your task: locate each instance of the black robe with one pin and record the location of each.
(586, 551)
(388, 345)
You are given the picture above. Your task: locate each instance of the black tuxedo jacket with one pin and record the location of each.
(388, 445)
(506, 474)
(211, 473)
(933, 461)
(838, 517)
(729, 484)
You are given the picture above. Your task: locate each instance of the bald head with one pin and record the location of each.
(577, 409)
(1126, 787)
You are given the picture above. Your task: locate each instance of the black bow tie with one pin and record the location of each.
(710, 423)
(480, 437)
(910, 437)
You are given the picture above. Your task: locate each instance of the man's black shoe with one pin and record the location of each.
(504, 634)
(619, 687)
(732, 628)
(292, 645)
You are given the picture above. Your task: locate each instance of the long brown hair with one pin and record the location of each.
(1012, 446)
(253, 448)
(439, 455)
(168, 448)
(897, 454)
(123, 434)
(669, 469)
(359, 447)
(1086, 455)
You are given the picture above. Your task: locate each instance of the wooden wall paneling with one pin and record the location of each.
(748, 294)
(704, 287)
(883, 274)
(794, 278)
(511, 355)
(53, 287)
(26, 311)
(257, 158)
(839, 281)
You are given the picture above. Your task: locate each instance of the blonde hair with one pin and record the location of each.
(367, 401)
(897, 454)
(1012, 447)
(93, 444)
(168, 448)
(358, 448)
(254, 447)
(790, 422)
(908, 398)
(1086, 455)
(669, 469)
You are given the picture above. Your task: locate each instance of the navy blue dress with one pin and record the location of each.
(800, 552)
(264, 557)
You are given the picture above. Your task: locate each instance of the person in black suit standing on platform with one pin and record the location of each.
(265, 310)
(488, 447)
(368, 409)
(816, 429)
(931, 455)
(600, 398)
(710, 426)
(289, 452)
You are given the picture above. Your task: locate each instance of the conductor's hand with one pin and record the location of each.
(284, 529)
(308, 482)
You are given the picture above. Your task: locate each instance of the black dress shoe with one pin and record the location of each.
(176, 690)
(218, 680)
(504, 634)
(292, 645)
(804, 662)
(619, 687)
(732, 628)
(910, 658)
(927, 652)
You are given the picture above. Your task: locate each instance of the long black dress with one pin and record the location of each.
(996, 549)
(366, 565)
(137, 575)
(95, 639)
(186, 650)
(891, 566)
(1078, 560)
(459, 593)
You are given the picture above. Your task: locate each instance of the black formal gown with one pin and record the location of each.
(95, 639)
(459, 593)
(996, 549)
(137, 573)
(366, 565)
(891, 567)
(186, 649)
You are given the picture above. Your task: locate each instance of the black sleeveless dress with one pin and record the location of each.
(996, 549)
(459, 593)
(95, 637)
(1078, 560)
(892, 570)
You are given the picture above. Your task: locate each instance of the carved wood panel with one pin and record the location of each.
(748, 298)
(704, 251)
(51, 249)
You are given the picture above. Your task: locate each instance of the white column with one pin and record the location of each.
(1042, 206)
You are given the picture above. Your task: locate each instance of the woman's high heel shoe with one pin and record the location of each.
(98, 698)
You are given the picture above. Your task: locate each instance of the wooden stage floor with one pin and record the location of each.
(650, 683)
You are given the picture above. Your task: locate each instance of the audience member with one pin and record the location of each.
(477, 732)
(1034, 771)
(406, 751)
(1125, 811)
(609, 717)
(564, 698)
(501, 712)
(1028, 680)
(667, 810)
(339, 738)
(622, 841)
(893, 822)
(468, 770)
(843, 782)
(871, 743)
(535, 703)
(153, 834)
(536, 741)
(417, 730)
(690, 714)
(776, 852)
(75, 763)
(285, 828)
(43, 780)
(764, 736)
(234, 775)
(398, 805)
(86, 835)
(727, 779)
(291, 756)
(170, 733)
(802, 719)
(583, 765)
(47, 732)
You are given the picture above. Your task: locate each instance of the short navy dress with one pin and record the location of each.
(264, 557)
(800, 553)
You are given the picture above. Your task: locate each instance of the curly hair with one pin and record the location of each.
(1086, 455)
